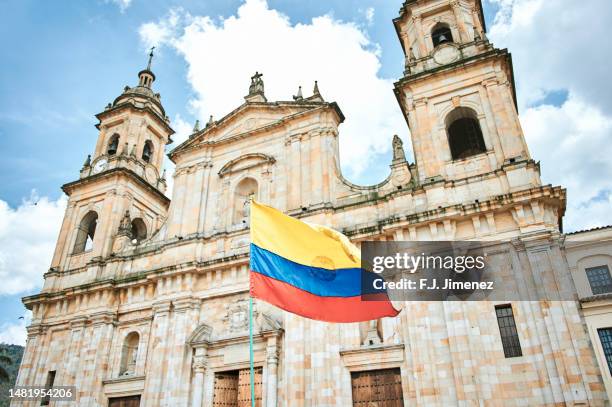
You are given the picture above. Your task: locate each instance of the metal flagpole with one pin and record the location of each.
(251, 351)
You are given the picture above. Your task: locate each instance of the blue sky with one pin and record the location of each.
(64, 61)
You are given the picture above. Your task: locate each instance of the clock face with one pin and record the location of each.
(445, 54)
(151, 175)
(100, 166)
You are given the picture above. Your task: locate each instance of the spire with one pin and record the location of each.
(147, 76)
(316, 94)
(299, 95)
(150, 59)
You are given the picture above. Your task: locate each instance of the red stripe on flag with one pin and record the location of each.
(329, 309)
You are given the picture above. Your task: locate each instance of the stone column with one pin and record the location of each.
(459, 17)
(416, 20)
(272, 368)
(157, 354)
(294, 179)
(199, 369)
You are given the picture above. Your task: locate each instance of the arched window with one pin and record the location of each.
(464, 133)
(113, 145)
(139, 230)
(245, 190)
(147, 151)
(86, 232)
(129, 354)
(441, 34)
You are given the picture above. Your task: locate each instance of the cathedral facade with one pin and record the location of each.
(146, 300)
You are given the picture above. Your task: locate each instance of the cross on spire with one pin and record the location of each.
(150, 58)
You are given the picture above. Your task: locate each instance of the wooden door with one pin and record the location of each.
(377, 388)
(226, 389)
(130, 401)
(244, 387)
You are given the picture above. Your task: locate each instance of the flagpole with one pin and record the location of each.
(252, 375)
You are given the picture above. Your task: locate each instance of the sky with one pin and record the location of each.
(62, 62)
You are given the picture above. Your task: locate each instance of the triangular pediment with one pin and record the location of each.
(252, 117)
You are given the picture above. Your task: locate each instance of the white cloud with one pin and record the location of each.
(368, 13)
(27, 239)
(122, 4)
(154, 34)
(573, 142)
(552, 48)
(223, 54)
(15, 333)
(561, 45)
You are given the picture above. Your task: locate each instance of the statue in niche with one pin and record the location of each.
(398, 149)
(125, 226)
(246, 206)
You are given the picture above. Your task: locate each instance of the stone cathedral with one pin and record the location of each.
(146, 299)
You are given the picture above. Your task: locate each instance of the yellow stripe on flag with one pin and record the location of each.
(309, 245)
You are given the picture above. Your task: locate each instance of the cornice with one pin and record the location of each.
(127, 105)
(69, 187)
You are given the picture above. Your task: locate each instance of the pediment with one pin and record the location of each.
(201, 335)
(244, 162)
(252, 117)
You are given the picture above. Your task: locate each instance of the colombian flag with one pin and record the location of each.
(310, 270)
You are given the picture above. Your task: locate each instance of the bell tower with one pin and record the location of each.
(458, 96)
(118, 201)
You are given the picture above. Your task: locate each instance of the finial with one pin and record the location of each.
(133, 153)
(163, 177)
(411, 56)
(257, 85)
(150, 58)
(256, 89)
(87, 162)
(299, 95)
(196, 126)
(316, 94)
(210, 121)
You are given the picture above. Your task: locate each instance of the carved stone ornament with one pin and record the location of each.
(257, 85)
(237, 319)
(199, 363)
(237, 316)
